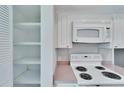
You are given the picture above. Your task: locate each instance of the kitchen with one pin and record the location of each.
(72, 19)
(62, 39)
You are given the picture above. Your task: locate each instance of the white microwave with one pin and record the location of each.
(91, 32)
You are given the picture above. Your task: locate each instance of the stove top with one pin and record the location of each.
(88, 70)
(81, 68)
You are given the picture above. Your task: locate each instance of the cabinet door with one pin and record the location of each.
(64, 32)
(6, 45)
(118, 32)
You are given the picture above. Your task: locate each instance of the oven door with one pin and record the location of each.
(88, 34)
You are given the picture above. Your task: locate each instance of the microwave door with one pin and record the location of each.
(88, 35)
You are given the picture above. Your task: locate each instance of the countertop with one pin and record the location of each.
(64, 73)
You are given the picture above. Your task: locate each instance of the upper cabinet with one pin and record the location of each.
(118, 31)
(64, 36)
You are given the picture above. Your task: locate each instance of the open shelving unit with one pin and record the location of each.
(27, 45)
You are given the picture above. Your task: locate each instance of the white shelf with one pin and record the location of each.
(28, 77)
(28, 24)
(28, 61)
(27, 43)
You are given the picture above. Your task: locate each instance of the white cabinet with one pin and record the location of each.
(64, 37)
(118, 31)
(6, 73)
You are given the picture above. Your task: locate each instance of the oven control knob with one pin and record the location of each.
(85, 56)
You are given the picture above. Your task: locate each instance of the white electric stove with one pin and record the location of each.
(89, 71)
